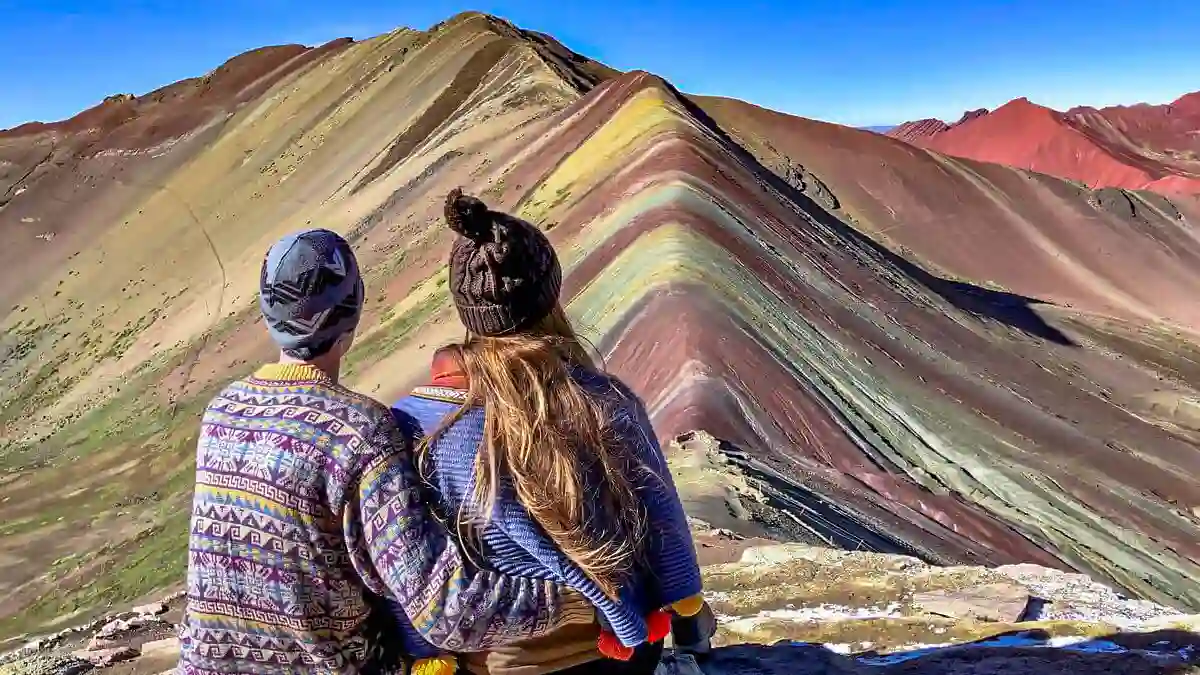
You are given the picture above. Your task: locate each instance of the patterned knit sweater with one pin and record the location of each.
(306, 509)
(514, 543)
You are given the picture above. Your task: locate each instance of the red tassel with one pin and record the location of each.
(611, 647)
(659, 625)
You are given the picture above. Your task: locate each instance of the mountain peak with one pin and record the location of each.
(1157, 148)
(1022, 105)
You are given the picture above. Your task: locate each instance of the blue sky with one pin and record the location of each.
(847, 61)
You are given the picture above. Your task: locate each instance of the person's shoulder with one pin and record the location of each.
(433, 395)
(429, 404)
(372, 411)
(234, 389)
(606, 385)
(234, 393)
(384, 429)
(407, 418)
(383, 434)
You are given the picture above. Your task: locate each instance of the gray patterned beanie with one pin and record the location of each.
(310, 292)
(504, 274)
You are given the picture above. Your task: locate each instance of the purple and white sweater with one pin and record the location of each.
(307, 505)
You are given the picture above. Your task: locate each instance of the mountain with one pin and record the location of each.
(916, 130)
(1140, 147)
(921, 355)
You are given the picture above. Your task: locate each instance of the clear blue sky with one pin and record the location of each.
(848, 61)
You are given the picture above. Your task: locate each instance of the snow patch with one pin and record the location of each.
(823, 612)
(1076, 597)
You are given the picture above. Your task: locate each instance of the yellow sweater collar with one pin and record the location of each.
(292, 372)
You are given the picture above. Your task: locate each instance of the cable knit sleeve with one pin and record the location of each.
(671, 551)
(405, 554)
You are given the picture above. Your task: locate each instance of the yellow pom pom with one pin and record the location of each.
(436, 665)
(689, 606)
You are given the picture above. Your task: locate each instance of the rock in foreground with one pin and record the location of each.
(801, 609)
(792, 609)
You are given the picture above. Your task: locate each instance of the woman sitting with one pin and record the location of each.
(545, 465)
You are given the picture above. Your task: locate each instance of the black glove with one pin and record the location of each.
(693, 634)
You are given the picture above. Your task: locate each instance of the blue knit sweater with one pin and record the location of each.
(513, 543)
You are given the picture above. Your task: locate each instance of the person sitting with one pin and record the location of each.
(309, 515)
(546, 465)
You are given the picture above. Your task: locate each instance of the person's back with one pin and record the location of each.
(308, 512)
(663, 573)
(270, 580)
(548, 466)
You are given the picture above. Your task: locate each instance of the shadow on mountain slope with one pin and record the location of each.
(1166, 652)
(1010, 309)
(818, 513)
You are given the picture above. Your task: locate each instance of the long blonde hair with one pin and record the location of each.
(547, 435)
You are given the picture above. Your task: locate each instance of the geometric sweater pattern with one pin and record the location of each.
(307, 516)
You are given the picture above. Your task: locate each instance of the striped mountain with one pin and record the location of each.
(945, 358)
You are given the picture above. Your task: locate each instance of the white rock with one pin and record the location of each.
(107, 657)
(98, 643)
(165, 645)
(112, 628)
(151, 609)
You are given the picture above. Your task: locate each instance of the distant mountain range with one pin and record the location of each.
(1141, 146)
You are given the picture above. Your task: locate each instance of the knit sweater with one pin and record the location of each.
(307, 509)
(514, 543)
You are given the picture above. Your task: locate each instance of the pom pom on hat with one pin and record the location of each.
(468, 216)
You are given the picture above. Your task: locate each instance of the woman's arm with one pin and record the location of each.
(671, 552)
(405, 554)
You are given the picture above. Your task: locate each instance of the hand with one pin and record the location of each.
(693, 634)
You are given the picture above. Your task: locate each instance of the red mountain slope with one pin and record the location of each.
(919, 129)
(1137, 147)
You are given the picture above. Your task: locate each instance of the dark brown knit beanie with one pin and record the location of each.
(504, 274)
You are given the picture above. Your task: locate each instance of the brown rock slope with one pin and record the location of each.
(1140, 147)
(955, 360)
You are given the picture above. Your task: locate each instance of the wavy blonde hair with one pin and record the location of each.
(547, 435)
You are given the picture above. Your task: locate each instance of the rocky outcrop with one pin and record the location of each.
(916, 130)
(145, 633)
(807, 182)
(970, 115)
(789, 608)
(887, 603)
(919, 131)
